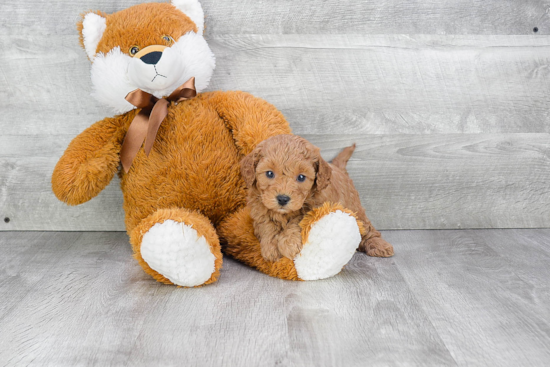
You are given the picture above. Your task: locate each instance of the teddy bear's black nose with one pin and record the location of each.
(283, 199)
(152, 57)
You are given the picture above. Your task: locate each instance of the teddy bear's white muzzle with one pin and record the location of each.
(156, 70)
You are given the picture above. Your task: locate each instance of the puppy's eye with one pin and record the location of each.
(301, 178)
(270, 174)
(134, 50)
(168, 38)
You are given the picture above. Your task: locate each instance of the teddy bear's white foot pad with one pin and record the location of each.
(176, 251)
(331, 244)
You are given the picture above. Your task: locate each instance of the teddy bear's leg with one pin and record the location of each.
(330, 235)
(178, 246)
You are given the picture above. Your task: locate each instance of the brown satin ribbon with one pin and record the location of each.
(146, 123)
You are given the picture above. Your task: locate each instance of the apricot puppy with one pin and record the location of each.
(286, 178)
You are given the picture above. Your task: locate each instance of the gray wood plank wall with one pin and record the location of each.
(448, 101)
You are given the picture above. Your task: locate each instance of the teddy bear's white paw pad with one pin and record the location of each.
(331, 244)
(176, 251)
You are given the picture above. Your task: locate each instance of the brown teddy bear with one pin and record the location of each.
(177, 151)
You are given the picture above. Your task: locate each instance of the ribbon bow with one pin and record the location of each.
(146, 123)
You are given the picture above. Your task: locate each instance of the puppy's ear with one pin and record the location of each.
(248, 166)
(324, 172)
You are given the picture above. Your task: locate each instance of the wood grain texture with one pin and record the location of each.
(447, 298)
(314, 17)
(99, 308)
(83, 308)
(26, 258)
(486, 312)
(405, 182)
(449, 181)
(528, 254)
(262, 321)
(331, 87)
(394, 84)
(324, 84)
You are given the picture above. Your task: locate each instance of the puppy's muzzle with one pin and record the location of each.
(283, 199)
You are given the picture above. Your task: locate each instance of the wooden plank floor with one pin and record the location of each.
(470, 297)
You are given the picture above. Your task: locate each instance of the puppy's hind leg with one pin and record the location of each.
(372, 242)
(376, 246)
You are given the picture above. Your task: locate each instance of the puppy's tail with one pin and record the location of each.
(342, 159)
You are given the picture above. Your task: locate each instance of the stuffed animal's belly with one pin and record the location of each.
(194, 164)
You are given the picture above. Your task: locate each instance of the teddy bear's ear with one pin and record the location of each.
(91, 29)
(193, 9)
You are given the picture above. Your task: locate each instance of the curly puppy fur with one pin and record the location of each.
(286, 178)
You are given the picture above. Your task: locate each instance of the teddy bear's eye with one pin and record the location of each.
(168, 39)
(134, 50)
(270, 174)
(301, 178)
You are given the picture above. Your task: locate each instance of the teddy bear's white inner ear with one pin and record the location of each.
(93, 27)
(193, 9)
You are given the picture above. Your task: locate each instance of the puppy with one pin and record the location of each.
(286, 178)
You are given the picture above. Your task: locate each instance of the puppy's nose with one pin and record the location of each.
(152, 57)
(283, 199)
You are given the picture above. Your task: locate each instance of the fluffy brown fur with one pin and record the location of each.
(192, 174)
(287, 167)
(179, 172)
(237, 233)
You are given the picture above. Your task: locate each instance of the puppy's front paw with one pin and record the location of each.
(290, 246)
(378, 247)
(269, 250)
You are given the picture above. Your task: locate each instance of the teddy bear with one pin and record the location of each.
(177, 150)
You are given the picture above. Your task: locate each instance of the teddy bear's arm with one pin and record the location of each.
(89, 162)
(250, 119)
